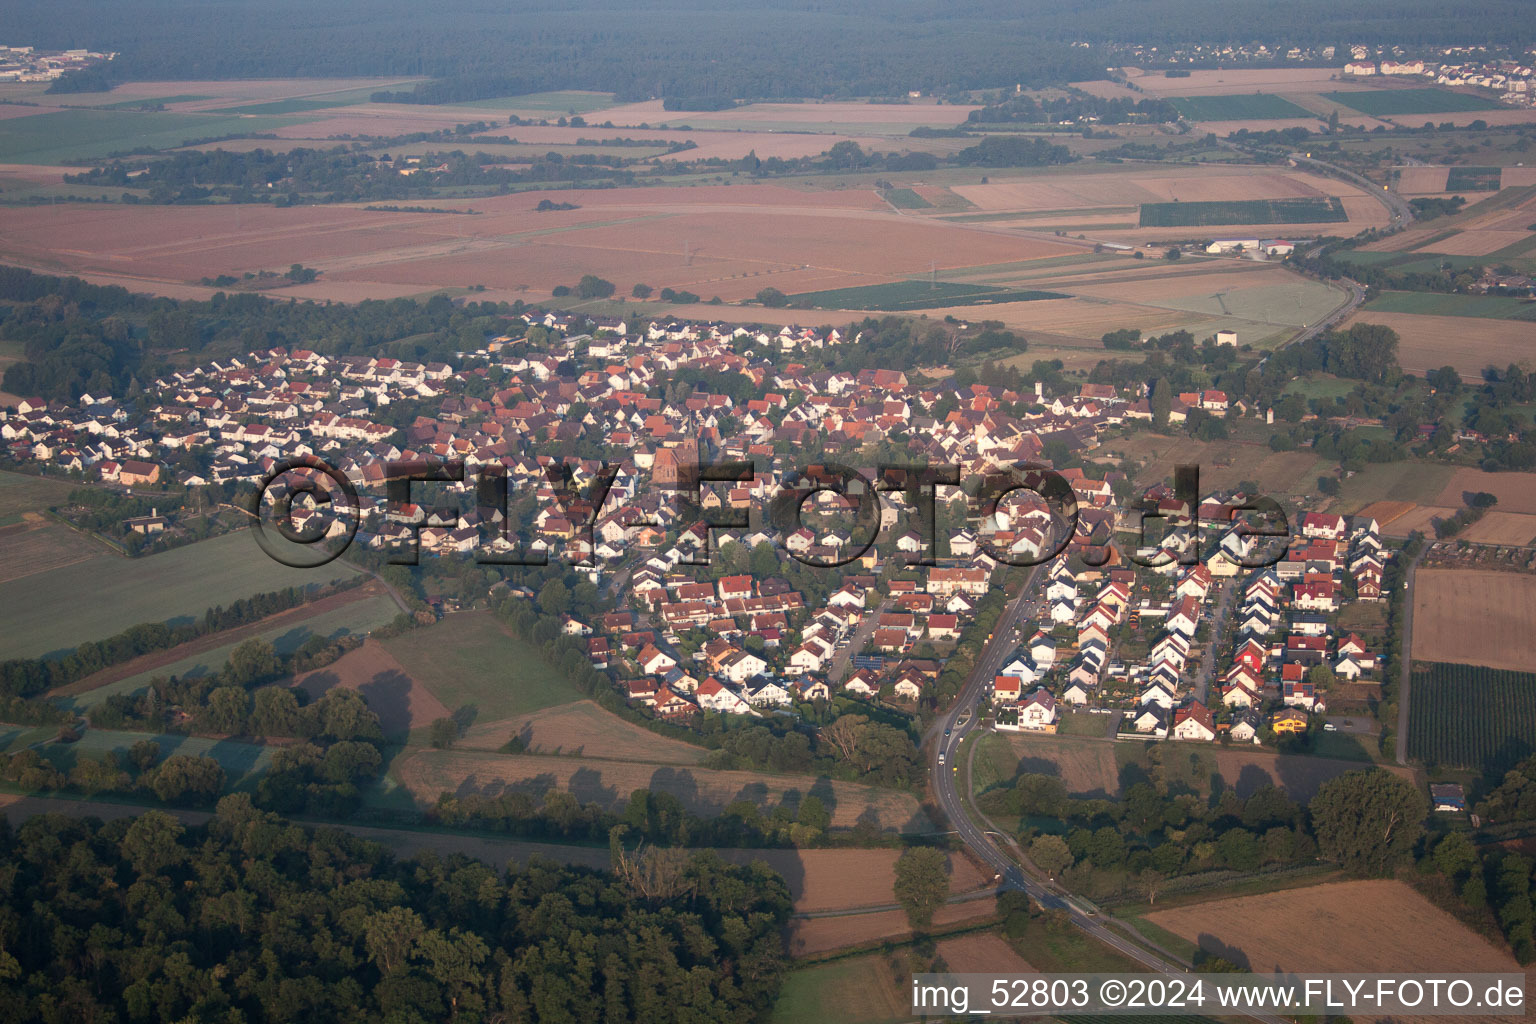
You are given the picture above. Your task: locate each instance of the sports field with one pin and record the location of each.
(104, 594)
(1253, 106)
(1246, 211)
(1386, 102)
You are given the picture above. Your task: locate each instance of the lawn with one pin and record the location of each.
(1489, 307)
(105, 594)
(1243, 211)
(1409, 101)
(1257, 106)
(21, 492)
(913, 295)
(470, 661)
(71, 134)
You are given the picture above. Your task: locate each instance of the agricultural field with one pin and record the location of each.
(46, 613)
(1480, 342)
(812, 936)
(419, 777)
(1487, 307)
(1365, 926)
(478, 670)
(1390, 102)
(871, 989)
(1471, 717)
(332, 619)
(37, 545)
(581, 729)
(1249, 107)
(1405, 481)
(22, 492)
(1473, 179)
(52, 138)
(1516, 491)
(905, 199)
(400, 702)
(1249, 211)
(1474, 617)
(906, 296)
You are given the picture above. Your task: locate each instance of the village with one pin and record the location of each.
(711, 623)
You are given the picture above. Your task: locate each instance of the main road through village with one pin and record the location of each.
(944, 739)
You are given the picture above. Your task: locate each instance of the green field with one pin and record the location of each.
(1257, 106)
(288, 106)
(1468, 716)
(901, 296)
(356, 618)
(1473, 179)
(905, 199)
(143, 100)
(1489, 307)
(1386, 102)
(567, 102)
(72, 134)
(1393, 481)
(105, 594)
(20, 492)
(1243, 211)
(853, 990)
(1420, 262)
(469, 661)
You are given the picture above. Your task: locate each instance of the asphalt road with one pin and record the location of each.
(944, 737)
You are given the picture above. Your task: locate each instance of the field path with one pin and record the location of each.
(1404, 684)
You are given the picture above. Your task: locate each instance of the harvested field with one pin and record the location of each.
(982, 953)
(1417, 181)
(833, 880)
(1480, 343)
(401, 703)
(582, 729)
(808, 936)
(1497, 527)
(1421, 518)
(1516, 491)
(1385, 512)
(1480, 243)
(426, 774)
(33, 546)
(1080, 191)
(1474, 617)
(728, 240)
(1223, 81)
(1340, 926)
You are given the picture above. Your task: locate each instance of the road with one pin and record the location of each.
(838, 667)
(943, 739)
(1400, 209)
(1404, 681)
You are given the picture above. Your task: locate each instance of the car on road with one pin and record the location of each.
(941, 759)
(946, 733)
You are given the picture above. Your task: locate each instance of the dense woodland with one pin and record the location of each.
(715, 48)
(251, 918)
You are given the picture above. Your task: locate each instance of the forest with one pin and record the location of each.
(252, 918)
(713, 48)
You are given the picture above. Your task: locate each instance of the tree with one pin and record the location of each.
(1173, 253)
(1162, 401)
(250, 661)
(444, 732)
(1455, 854)
(186, 779)
(151, 843)
(226, 711)
(593, 287)
(390, 935)
(276, 712)
(1050, 854)
(554, 598)
(772, 298)
(641, 291)
(922, 884)
(1368, 820)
